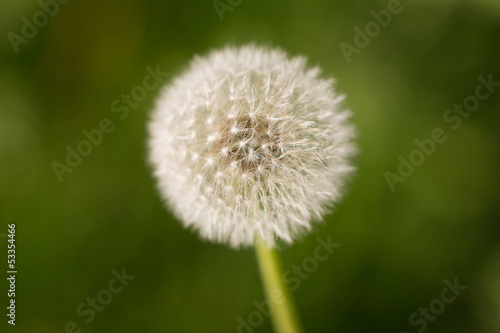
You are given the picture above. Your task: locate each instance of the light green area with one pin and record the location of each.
(279, 303)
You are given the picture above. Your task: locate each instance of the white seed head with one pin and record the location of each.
(248, 143)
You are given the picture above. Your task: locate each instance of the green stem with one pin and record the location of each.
(284, 317)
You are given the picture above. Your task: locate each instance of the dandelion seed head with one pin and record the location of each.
(266, 142)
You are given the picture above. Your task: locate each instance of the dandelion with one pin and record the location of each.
(249, 145)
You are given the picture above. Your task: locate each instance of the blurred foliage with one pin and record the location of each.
(397, 247)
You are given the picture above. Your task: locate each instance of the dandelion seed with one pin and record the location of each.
(271, 152)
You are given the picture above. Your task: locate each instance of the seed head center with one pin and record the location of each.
(251, 143)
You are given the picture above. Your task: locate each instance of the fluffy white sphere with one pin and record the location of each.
(249, 143)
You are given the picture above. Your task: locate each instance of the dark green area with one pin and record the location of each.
(397, 247)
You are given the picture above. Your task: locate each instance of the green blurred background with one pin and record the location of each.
(397, 247)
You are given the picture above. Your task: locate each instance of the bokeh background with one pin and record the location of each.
(397, 247)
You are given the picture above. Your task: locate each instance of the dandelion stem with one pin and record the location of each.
(284, 317)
